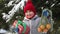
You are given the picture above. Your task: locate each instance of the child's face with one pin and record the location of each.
(29, 14)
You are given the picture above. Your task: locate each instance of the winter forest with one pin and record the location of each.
(11, 10)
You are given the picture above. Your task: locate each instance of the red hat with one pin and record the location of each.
(29, 6)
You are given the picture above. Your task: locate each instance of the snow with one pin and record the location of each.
(2, 31)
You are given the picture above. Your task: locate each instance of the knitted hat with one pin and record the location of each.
(29, 6)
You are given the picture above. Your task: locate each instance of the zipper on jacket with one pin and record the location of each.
(30, 26)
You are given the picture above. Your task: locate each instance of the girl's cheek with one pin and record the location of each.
(26, 15)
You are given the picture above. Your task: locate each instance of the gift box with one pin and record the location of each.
(22, 27)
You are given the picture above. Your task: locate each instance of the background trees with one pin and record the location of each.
(38, 4)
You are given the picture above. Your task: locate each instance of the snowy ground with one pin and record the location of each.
(2, 31)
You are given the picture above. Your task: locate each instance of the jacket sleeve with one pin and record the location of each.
(38, 21)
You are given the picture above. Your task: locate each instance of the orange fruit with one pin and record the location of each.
(45, 30)
(39, 30)
(48, 26)
(42, 27)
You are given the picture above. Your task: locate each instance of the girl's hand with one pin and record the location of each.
(20, 28)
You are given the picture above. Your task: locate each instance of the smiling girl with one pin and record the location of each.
(31, 18)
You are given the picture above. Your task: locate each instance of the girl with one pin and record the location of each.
(31, 18)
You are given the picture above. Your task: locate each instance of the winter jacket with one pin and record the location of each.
(33, 24)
